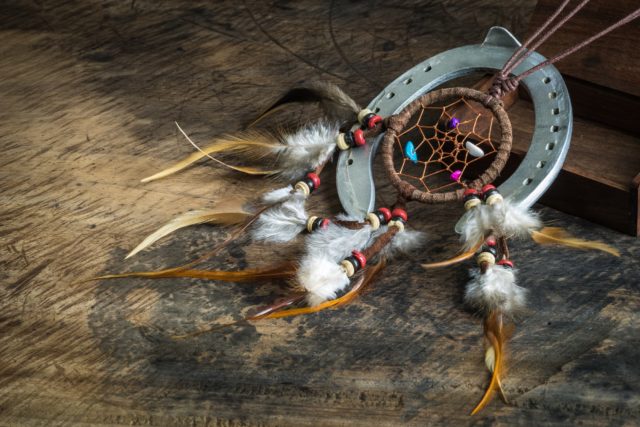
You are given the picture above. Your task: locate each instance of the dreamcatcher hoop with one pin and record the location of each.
(549, 143)
(397, 125)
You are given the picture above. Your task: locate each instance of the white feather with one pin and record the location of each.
(321, 277)
(337, 242)
(277, 195)
(511, 219)
(496, 289)
(307, 148)
(503, 219)
(404, 242)
(477, 225)
(281, 222)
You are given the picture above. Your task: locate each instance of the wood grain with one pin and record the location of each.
(89, 92)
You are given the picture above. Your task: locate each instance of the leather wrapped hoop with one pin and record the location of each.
(397, 123)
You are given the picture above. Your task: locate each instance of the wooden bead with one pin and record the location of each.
(472, 203)
(360, 258)
(303, 188)
(373, 220)
(494, 198)
(310, 222)
(399, 224)
(363, 114)
(341, 143)
(349, 269)
(486, 257)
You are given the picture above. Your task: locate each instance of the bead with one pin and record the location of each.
(494, 198)
(315, 179)
(398, 224)
(491, 249)
(472, 203)
(359, 256)
(303, 188)
(362, 115)
(372, 121)
(399, 213)
(373, 219)
(486, 257)
(341, 142)
(324, 224)
(358, 138)
(310, 222)
(505, 263)
(455, 175)
(491, 241)
(454, 122)
(473, 149)
(470, 192)
(488, 187)
(410, 152)
(386, 215)
(349, 269)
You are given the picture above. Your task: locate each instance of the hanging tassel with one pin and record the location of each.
(558, 236)
(336, 104)
(285, 156)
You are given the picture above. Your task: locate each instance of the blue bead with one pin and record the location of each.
(410, 152)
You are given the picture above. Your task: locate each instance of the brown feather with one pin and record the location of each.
(335, 103)
(559, 236)
(495, 336)
(456, 259)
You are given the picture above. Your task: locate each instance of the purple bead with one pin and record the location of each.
(455, 176)
(454, 122)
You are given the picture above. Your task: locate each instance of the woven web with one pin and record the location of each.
(441, 150)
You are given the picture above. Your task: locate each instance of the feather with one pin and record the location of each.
(359, 286)
(476, 227)
(405, 242)
(283, 221)
(321, 277)
(558, 236)
(494, 358)
(336, 104)
(456, 259)
(278, 195)
(495, 289)
(337, 242)
(510, 219)
(214, 216)
(281, 271)
(288, 156)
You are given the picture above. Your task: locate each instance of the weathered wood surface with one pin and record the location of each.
(89, 92)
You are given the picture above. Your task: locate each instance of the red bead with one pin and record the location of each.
(488, 187)
(386, 213)
(490, 241)
(470, 191)
(360, 257)
(358, 137)
(373, 121)
(506, 262)
(315, 178)
(325, 223)
(397, 212)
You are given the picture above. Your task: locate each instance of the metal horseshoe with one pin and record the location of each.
(552, 131)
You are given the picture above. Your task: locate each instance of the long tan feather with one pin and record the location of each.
(456, 259)
(494, 359)
(214, 216)
(251, 145)
(559, 236)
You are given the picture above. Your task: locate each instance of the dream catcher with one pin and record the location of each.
(437, 146)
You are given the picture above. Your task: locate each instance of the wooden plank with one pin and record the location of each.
(90, 91)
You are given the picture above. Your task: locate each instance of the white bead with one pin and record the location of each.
(373, 220)
(341, 143)
(473, 149)
(362, 114)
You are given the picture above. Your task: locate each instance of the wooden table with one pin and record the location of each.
(88, 95)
